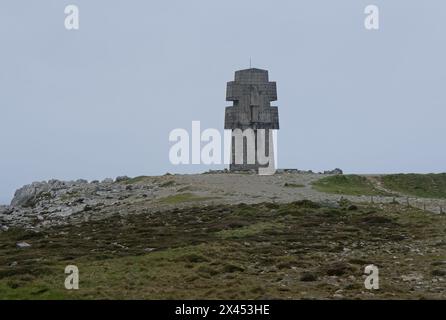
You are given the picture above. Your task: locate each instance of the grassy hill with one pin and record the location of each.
(265, 251)
(348, 185)
(418, 185)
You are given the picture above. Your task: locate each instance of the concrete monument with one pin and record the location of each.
(251, 93)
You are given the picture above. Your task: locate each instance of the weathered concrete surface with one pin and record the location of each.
(251, 93)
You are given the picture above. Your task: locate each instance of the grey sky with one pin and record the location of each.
(100, 102)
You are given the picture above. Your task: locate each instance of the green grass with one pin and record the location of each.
(251, 230)
(293, 185)
(348, 185)
(166, 184)
(184, 197)
(227, 252)
(418, 185)
(146, 179)
(135, 180)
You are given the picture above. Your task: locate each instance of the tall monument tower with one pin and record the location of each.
(251, 93)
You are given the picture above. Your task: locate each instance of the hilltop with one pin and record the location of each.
(55, 202)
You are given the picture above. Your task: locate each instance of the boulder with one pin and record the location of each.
(5, 210)
(23, 245)
(28, 195)
(334, 171)
(122, 178)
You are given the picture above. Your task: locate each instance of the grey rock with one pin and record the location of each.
(122, 178)
(287, 171)
(23, 245)
(56, 184)
(334, 171)
(6, 210)
(28, 195)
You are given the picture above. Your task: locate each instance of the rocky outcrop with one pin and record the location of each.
(28, 195)
(334, 171)
(45, 203)
(4, 210)
(122, 179)
(49, 203)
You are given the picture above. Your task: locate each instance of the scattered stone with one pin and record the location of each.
(287, 171)
(119, 245)
(334, 171)
(122, 178)
(6, 210)
(217, 171)
(412, 277)
(23, 245)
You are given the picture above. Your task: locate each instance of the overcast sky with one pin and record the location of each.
(100, 102)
